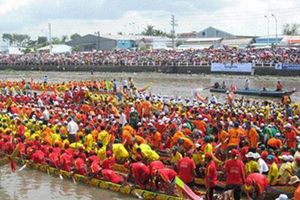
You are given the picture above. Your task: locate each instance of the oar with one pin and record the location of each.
(73, 178)
(23, 167)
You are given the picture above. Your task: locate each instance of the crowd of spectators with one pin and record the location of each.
(158, 57)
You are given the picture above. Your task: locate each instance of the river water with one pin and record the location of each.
(34, 185)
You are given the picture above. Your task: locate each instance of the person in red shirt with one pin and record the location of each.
(165, 178)
(112, 176)
(255, 185)
(79, 165)
(140, 174)
(38, 157)
(210, 176)
(235, 174)
(155, 165)
(186, 170)
(66, 161)
(109, 161)
(53, 158)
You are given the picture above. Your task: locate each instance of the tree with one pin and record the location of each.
(42, 40)
(64, 38)
(56, 40)
(151, 31)
(7, 37)
(291, 29)
(17, 39)
(74, 36)
(75, 48)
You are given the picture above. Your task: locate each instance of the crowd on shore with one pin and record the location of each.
(80, 128)
(158, 57)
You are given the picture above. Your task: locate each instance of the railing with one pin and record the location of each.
(134, 63)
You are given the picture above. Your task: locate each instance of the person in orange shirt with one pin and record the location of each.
(223, 138)
(146, 111)
(156, 138)
(234, 137)
(252, 136)
(186, 130)
(275, 142)
(290, 136)
(200, 124)
(175, 137)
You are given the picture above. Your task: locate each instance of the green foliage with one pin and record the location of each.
(151, 31)
(291, 29)
(42, 40)
(75, 48)
(16, 39)
(74, 36)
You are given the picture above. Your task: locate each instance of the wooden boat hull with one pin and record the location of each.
(253, 92)
(127, 190)
(271, 191)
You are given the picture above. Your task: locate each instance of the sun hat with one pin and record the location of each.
(293, 180)
(250, 155)
(282, 197)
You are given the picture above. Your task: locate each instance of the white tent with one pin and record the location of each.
(56, 48)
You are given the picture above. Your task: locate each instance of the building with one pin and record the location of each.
(200, 43)
(193, 34)
(290, 41)
(212, 32)
(93, 42)
(266, 42)
(238, 43)
(111, 42)
(56, 48)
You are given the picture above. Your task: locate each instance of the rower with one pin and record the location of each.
(247, 84)
(279, 86)
(255, 185)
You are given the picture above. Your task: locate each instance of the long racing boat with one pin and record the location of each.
(123, 189)
(256, 92)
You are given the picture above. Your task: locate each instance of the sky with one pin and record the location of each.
(240, 17)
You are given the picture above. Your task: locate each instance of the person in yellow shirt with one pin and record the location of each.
(104, 137)
(101, 151)
(120, 152)
(175, 156)
(148, 154)
(251, 166)
(207, 148)
(273, 171)
(285, 170)
(88, 140)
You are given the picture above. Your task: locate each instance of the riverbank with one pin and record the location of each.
(257, 70)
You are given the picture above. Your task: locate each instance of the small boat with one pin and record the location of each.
(255, 92)
(124, 189)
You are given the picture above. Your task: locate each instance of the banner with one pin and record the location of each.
(287, 66)
(231, 67)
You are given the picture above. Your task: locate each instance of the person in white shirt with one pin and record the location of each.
(263, 167)
(72, 128)
(46, 114)
(123, 119)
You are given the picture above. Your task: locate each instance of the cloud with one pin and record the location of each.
(112, 16)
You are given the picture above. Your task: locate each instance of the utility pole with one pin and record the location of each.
(98, 45)
(173, 24)
(276, 22)
(268, 29)
(50, 39)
